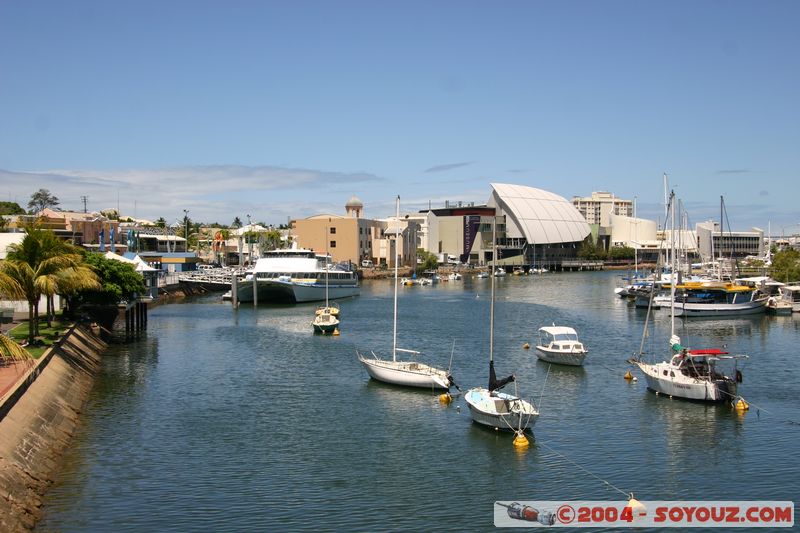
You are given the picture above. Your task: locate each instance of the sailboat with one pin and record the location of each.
(489, 406)
(325, 319)
(399, 372)
(689, 374)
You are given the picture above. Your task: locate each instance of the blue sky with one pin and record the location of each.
(286, 109)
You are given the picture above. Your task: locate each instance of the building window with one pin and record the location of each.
(333, 244)
(333, 231)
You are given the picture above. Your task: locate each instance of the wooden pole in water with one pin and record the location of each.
(234, 290)
(255, 289)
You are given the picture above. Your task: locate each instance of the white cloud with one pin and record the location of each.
(210, 193)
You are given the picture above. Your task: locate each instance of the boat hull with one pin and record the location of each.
(277, 291)
(559, 357)
(499, 410)
(720, 310)
(405, 373)
(681, 386)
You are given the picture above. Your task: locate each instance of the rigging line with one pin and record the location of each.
(759, 408)
(627, 494)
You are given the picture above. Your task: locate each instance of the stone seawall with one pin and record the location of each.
(37, 421)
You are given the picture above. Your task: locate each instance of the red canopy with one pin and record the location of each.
(707, 351)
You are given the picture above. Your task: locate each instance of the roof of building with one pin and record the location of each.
(354, 201)
(541, 216)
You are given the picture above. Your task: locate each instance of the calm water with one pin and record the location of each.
(231, 421)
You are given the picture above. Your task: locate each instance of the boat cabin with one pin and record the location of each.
(559, 338)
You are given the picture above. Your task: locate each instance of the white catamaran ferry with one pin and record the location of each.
(296, 275)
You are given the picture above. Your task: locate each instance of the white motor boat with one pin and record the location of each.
(296, 275)
(398, 372)
(560, 345)
(719, 299)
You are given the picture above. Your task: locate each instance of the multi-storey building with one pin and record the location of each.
(598, 208)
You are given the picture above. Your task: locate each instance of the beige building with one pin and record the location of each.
(347, 238)
(598, 208)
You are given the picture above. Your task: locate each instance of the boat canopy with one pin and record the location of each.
(713, 286)
(707, 351)
(559, 330)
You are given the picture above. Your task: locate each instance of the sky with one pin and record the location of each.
(286, 109)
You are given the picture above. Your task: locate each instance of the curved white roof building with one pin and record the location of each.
(538, 216)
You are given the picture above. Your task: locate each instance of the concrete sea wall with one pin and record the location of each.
(37, 421)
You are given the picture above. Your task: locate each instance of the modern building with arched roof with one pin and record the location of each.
(540, 227)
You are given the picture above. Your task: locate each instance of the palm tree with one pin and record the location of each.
(9, 288)
(40, 264)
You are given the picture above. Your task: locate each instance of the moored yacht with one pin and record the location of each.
(718, 299)
(296, 275)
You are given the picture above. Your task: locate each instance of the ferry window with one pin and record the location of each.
(333, 231)
(333, 244)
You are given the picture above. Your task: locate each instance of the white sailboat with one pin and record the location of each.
(398, 372)
(689, 374)
(325, 319)
(489, 406)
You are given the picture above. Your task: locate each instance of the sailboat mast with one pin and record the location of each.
(720, 238)
(491, 302)
(327, 232)
(396, 261)
(674, 279)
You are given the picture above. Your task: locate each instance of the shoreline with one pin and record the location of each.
(39, 415)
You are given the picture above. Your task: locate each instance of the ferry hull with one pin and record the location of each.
(276, 291)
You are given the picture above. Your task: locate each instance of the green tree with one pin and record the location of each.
(237, 223)
(41, 199)
(11, 208)
(621, 252)
(785, 266)
(591, 251)
(161, 222)
(271, 239)
(119, 282)
(35, 265)
(428, 261)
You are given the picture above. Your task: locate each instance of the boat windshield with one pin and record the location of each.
(565, 337)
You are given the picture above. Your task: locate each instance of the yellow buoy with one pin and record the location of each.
(526, 346)
(741, 406)
(521, 441)
(336, 332)
(628, 375)
(445, 398)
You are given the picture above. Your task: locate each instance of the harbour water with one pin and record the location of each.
(223, 420)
